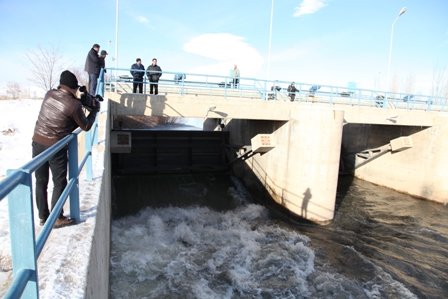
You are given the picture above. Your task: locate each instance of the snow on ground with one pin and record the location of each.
(63, 262)
(17, 119)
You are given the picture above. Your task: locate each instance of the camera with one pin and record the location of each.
(90, 102)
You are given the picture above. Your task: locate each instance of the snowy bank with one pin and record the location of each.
(63, 265)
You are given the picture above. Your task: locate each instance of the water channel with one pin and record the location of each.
(219, 242)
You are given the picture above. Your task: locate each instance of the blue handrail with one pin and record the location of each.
(17, 186)
(204, 84)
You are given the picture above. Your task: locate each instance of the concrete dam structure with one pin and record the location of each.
(290, 152)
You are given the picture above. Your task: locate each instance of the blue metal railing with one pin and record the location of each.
(119, 79)
(17, 186)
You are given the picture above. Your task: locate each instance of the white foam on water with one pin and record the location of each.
(198, 252)
(201, 253)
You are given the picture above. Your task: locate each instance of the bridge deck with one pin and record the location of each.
(118, 80)
(221, 106)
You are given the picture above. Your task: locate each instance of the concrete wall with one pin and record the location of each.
(419, 171)
(204, 106)
(98, 269)
(301, 172)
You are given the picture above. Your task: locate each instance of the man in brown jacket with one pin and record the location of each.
(61, 113)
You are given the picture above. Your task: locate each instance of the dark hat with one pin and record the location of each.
(104, 52)
(68, 79)
(95, 46)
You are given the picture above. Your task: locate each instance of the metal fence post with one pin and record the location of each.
(21, 223)
(88, 149)
(94, 130)
(73, 174)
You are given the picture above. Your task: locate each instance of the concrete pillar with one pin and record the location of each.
(419, 171)
(301, 172)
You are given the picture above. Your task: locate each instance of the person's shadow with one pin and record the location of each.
(127, 100)
(306, 199)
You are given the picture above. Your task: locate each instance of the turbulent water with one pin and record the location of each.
(382, 244)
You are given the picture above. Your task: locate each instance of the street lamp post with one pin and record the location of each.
(270, 43)
(268, 68)
(402, 11)
(116, 33)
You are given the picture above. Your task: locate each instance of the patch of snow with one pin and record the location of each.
(62, 265)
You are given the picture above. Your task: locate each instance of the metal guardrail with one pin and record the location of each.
(17, 186)
(120, 80)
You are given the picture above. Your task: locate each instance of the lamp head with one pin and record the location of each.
(402, 11)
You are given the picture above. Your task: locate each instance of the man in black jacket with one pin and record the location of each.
(137, 72)
(103, 56)
(93, 67)
(61, 113)
(292, 91)
(154, 72)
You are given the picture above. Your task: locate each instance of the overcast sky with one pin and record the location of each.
(328, 42)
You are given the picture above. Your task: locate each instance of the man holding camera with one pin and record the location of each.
(60, 114)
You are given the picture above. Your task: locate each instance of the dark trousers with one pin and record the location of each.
(236, 82)
(138, 85)
(93, 78)
(154, 86)
(58, 166)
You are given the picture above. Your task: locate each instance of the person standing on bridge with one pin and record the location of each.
(61, 112)
(103, 56)
(236, 76)
(292, 91)
(154, 72)
(93, 67)
(137, 72)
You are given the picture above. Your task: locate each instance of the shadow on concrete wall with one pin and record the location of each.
(134, 102)
(249, 128)
(264, 196)
(138, 104)
(305, 201)
(262, 190)
(140, 111)
(261, 195)
(274, 197)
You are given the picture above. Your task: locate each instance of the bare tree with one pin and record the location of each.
(440, 82)
(409, 84)
(13, 90)
(45, 67)
(394, 84)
